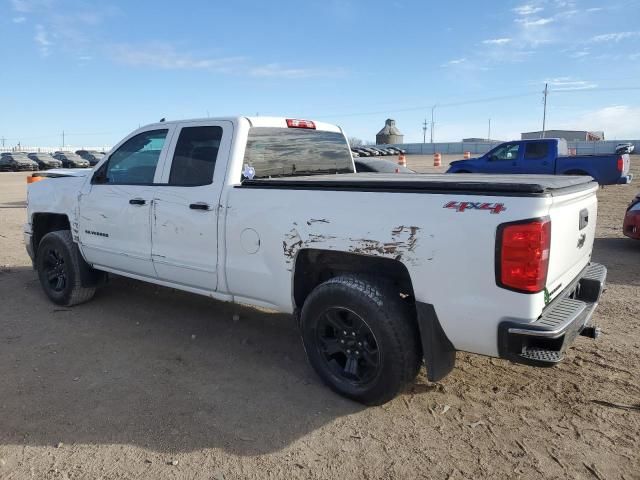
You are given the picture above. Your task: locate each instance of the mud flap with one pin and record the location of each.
(439, 353)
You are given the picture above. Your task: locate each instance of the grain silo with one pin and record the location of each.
(389, 135)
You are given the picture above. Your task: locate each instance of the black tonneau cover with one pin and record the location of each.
(473, 183)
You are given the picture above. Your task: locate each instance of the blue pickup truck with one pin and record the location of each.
(547, 156)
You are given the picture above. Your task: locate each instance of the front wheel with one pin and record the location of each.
(361, 338)
(58, 263)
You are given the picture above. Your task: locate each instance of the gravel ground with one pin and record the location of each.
(149, 382)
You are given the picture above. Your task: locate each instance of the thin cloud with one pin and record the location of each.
(41, 38)
(538, 22)
(19, 19)
(166, 57)
(278, 71)
(455, 61)
(527, 9)
(567, 84)
(163, 56)
(614, 37)
(497, 41)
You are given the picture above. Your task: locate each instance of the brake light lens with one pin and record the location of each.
(620, 163)
(293, 123)
(523, 255)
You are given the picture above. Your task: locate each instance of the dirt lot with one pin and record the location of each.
(148, 382)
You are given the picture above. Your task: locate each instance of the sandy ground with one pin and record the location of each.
(149, 382)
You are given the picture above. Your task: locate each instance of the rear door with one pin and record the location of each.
(185, 208)
(537, 158)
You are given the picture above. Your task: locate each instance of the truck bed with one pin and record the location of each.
(473, 183)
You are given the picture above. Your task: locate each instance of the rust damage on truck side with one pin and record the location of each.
(401, 245)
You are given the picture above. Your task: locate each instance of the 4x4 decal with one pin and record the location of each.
(464, 206)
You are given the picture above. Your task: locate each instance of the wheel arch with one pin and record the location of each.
(45, 222)
(315, 266)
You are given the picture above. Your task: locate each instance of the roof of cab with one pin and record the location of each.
(276, 122)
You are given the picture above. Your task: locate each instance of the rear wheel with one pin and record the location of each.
(361, 338)
(58, 264)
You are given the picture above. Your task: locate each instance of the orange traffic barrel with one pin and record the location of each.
(467, 155)
(402, 161)
(437, 160)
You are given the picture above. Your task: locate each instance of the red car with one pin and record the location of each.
(631, 226)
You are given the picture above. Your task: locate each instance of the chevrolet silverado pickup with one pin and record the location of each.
(549, 157)
(380, 271)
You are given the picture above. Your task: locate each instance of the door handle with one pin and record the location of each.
(199, 206)
(137, 201)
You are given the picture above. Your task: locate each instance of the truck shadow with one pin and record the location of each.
(156, 368)
(621, 256)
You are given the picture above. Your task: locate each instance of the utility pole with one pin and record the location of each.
(544, 112)
(62, 139)
(489, 133)
(424, 135)
(3, 139)
(433, 125)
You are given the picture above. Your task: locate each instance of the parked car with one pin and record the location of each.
(382, 151)
(631, 225)
(362, 152)
(92, 156)
(625, 148)
(372, 151)
(397, 151)
(17, 162)
(354, 154)
(45, 161)
(379, 165)
(281, 220)
(71, 160)
(547, 156)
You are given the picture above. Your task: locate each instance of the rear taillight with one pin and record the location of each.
(522, 255)
(620, 163)
(293, 123)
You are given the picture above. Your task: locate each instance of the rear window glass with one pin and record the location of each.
(536, 150)
(281, 152)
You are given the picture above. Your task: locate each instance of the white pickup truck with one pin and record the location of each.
(380, 271)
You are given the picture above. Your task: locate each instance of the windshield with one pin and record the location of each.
(280, 152)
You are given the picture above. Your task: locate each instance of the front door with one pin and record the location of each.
(503, 159)
(115, 211)
(185, 208)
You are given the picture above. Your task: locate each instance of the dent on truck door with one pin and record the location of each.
(114, 221)
(185, 210)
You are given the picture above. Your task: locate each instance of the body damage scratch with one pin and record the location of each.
(317, 220)
(401, 245)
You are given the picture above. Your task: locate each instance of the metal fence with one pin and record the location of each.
(458, 148)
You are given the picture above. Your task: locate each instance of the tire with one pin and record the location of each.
(361, 338)
(58, 262)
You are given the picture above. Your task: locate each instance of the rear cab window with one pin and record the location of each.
(274, 152)
(536, 150)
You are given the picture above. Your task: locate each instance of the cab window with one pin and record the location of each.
(194, 160)
(135, 161)
(506, 152)
(536, 150)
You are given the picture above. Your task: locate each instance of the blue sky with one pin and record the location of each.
(99, 69)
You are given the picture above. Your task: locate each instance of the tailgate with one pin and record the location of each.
(573, 226)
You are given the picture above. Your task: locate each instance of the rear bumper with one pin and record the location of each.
(542, 343)
(625, 179)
